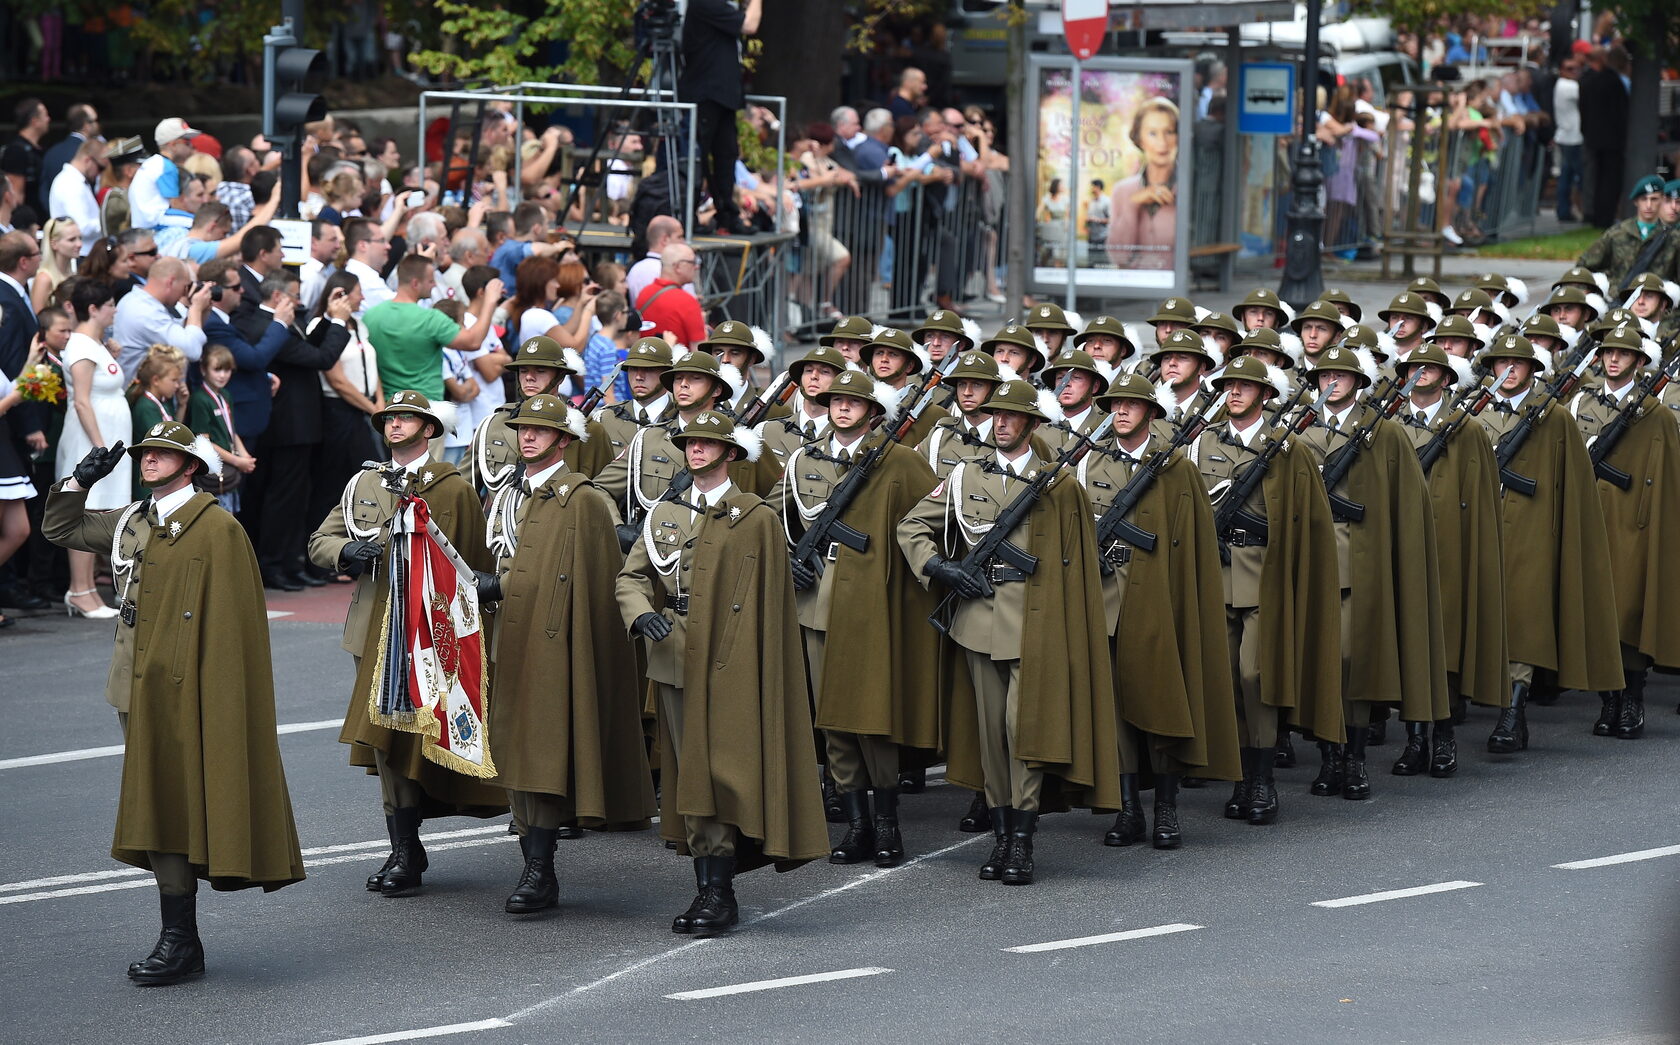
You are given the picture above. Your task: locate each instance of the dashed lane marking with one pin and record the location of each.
(1619, 858)
(1396, 894)
(1091, 941)
(423, 1032)
(770, 985)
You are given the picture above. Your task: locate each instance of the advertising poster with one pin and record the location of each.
(1130, 196)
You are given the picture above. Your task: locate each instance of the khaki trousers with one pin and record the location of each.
(539, 809)
(856, 761)
(706, 836)
(396, 790)
(997, 697)
(1257, 723)
(173, 872)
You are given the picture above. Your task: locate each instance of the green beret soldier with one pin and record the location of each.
(1617, 252)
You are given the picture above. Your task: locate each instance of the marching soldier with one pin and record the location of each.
(564, 714)
(203, 791)
(1506, 290)
(649, 404)
(1107, 340)
(1016, 347)
(1280, 583)
(1344, 304)
(808, 419)
(1616, 252)
(1319, 326)
(1478, 307)
(1181, 363)
(1655, 299)
(356, 538)
(1409, 317)
(894, 359)
(944, 332)
(1456, 337)
(1041, 731)
(1573, 307)
(1175, 314)
(1430, 291)
(1221, 329)
(1271, 348)
(1560, 605)
(1263, 308)
(1391, 600)
(1464, 497)
(1589, 281)
(967, 432)
(706, 588)
(1054, 326)
(1163, 609)
(743, 347)
(868, 705)
(1085, 380)
(848, 337)
(1646, 579)
(492, 457)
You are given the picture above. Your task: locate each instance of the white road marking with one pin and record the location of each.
(1088, 941)
(135, 877)
(1619, 858)
(1396, 894)
(423, 1032)
(275, 614)
(82, 754)
(770, 985)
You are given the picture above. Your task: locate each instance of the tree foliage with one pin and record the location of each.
(1420, 16)
(503, 46)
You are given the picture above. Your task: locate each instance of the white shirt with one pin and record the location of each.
(1378, 116)
(145, 204)
(1018, 467)
(1514, 402)
(644, 272)
(836, 447)
(711, 498)
(652, 410)
(1566, 104)
(1246, 436)
(413, 467)
(1075, 421)
(1130, 457)
(1619, 394)
(458, 364)
(1334, 418)
(983, 430)
(536, 479)
(71, 197)
(374, 290)
(170, 502)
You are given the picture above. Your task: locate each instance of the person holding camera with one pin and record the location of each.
(148, 316)
(711, 79)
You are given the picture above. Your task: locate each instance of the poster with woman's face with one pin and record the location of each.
(1124, 199)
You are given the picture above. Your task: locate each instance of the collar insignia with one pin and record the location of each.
(175, 528)
(734, 513)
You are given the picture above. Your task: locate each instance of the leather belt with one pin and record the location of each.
(1003, 573)
(1118, 553)
(1244, 538)
(677, 603)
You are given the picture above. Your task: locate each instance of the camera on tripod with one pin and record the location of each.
(656, 20)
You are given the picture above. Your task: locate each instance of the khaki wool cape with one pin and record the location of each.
(565, 710)
(1399, 655)
(1300, 599)
(1066, 722)
(1646, 574)
(880, 664)
(1560, 600)
(1172, 663)
(1464, 494)
(454, 507)
(746, 752)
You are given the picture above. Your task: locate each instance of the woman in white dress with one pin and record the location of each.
(99, 416)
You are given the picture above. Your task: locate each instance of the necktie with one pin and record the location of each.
(1422, 418)
(845, 457)
(810, 430)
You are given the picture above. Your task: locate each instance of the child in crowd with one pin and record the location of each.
(209, 414)
(154, 396)
(460, 384)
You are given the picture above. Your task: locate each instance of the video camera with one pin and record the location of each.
(656, 20)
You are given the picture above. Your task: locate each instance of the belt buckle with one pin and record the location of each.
(833, 552)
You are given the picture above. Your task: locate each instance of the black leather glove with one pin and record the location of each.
(951, 575)
(98, 464)
(804, 578)
(489, 586)
(358, 555)
(653, 626)
(627, 535)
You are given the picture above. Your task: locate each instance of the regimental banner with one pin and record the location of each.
(432, 678)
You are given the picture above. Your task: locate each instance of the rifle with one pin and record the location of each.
(774, 396)
(1233, 501)
(828, 528)
(920, 399)
(1642, 263)
(1114, 524)
(1513, 441)
(599, 392)
(995, 545)
(1650, 385)
(631, 527)
(1340, 461)
(1457, 416)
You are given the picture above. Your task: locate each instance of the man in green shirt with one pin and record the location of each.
(410, 337)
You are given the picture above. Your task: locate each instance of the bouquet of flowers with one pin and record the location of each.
(41, 383)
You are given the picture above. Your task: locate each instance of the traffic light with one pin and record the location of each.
(290, 78)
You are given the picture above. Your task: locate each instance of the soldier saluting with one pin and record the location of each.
(203, 791)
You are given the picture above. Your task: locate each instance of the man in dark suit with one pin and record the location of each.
(248, 390)
(260, 256)
(1604, 127)
(20, 257)
(711, 78)
(294, 431)
(84, 124)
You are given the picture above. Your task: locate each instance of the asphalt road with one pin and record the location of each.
(1234, 947)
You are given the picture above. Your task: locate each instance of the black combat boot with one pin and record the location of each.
(858, 844)
(889, 845)
(833, 811)
(1236, 808)
(568, 832)
(1329, 779)
(713, 910)
(1631, 725)
(1263, 795)
(1510, 733)
(178, 955)
(992, 869)
(1284, 758)
(1376, 734)
(912, 781)
(538, 888)
(1609, 712)
(1443, 750)
(403, 876)
(377, 878)
(1128, 826)
(978, 818)
(1018, 862)
(1167, 834)
(1355, 784)
(1414, 758)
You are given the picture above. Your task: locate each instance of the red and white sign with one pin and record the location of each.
(1084, 23)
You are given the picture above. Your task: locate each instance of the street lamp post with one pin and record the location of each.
(1303, 271)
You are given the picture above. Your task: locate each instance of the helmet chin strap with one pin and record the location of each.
(168, 479)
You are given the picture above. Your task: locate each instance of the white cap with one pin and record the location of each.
(172, 129)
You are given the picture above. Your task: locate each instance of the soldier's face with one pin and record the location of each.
(1255, 317)
(1668, 211)
(1522, 371)
(814, 379)
(1647, 205)
(1569, 315)
(938, 343)
(644, 381)
(1081, 386)
(1316, 334)
(971, 393)
(1267, 356)
(1430, 378)
(534, 380)
(691, 389)
(1010, 430)
(888, 364)
(1180, 368)
(1344, 387)
(1014, 356)
(1222, 338)
(1103, 347)
(539, 444)
(1130, 416)
(848, 413)
(402, 429)
(739, 358)
(1165, 329)
(1402, 327)
(848, 347)
(1618, 362)
(703, 455)
(1650, 304)
(1052, 340)
(1244, 398)
(159, 466)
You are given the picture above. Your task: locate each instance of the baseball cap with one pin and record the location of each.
(172, 129)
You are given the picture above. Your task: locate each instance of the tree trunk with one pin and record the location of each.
(1642, 96)
(803, 47)
(1023, 161)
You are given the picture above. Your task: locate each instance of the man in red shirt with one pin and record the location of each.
(674, 312)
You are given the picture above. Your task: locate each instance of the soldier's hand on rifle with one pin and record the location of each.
(952, 576)
(804, 578)
(653, 626)
(97, 464)
(358, 554)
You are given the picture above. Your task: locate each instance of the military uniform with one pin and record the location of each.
(621, 421)
(958, 436)
(492, 458)
(1617, 251)
(918, 363)
(1064, 434)
(639, 476)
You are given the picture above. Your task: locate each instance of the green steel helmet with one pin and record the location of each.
(892, 337)
(1022, 398)
(1218, 321)
(1339, 360)
(851, 328)
(1338, 296)
(1113, 328)
(543, 350)
(1174, 310)
(1074, 359)
(826, 355)
(649, 353)
(1253, 368)
(976, 366)
(1136, 386)
(1049, 317)
(1321, 310)
(732, 333)
(715, 424)
(415, 403)
(546, 411)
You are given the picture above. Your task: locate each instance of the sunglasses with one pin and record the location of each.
(144, 253)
